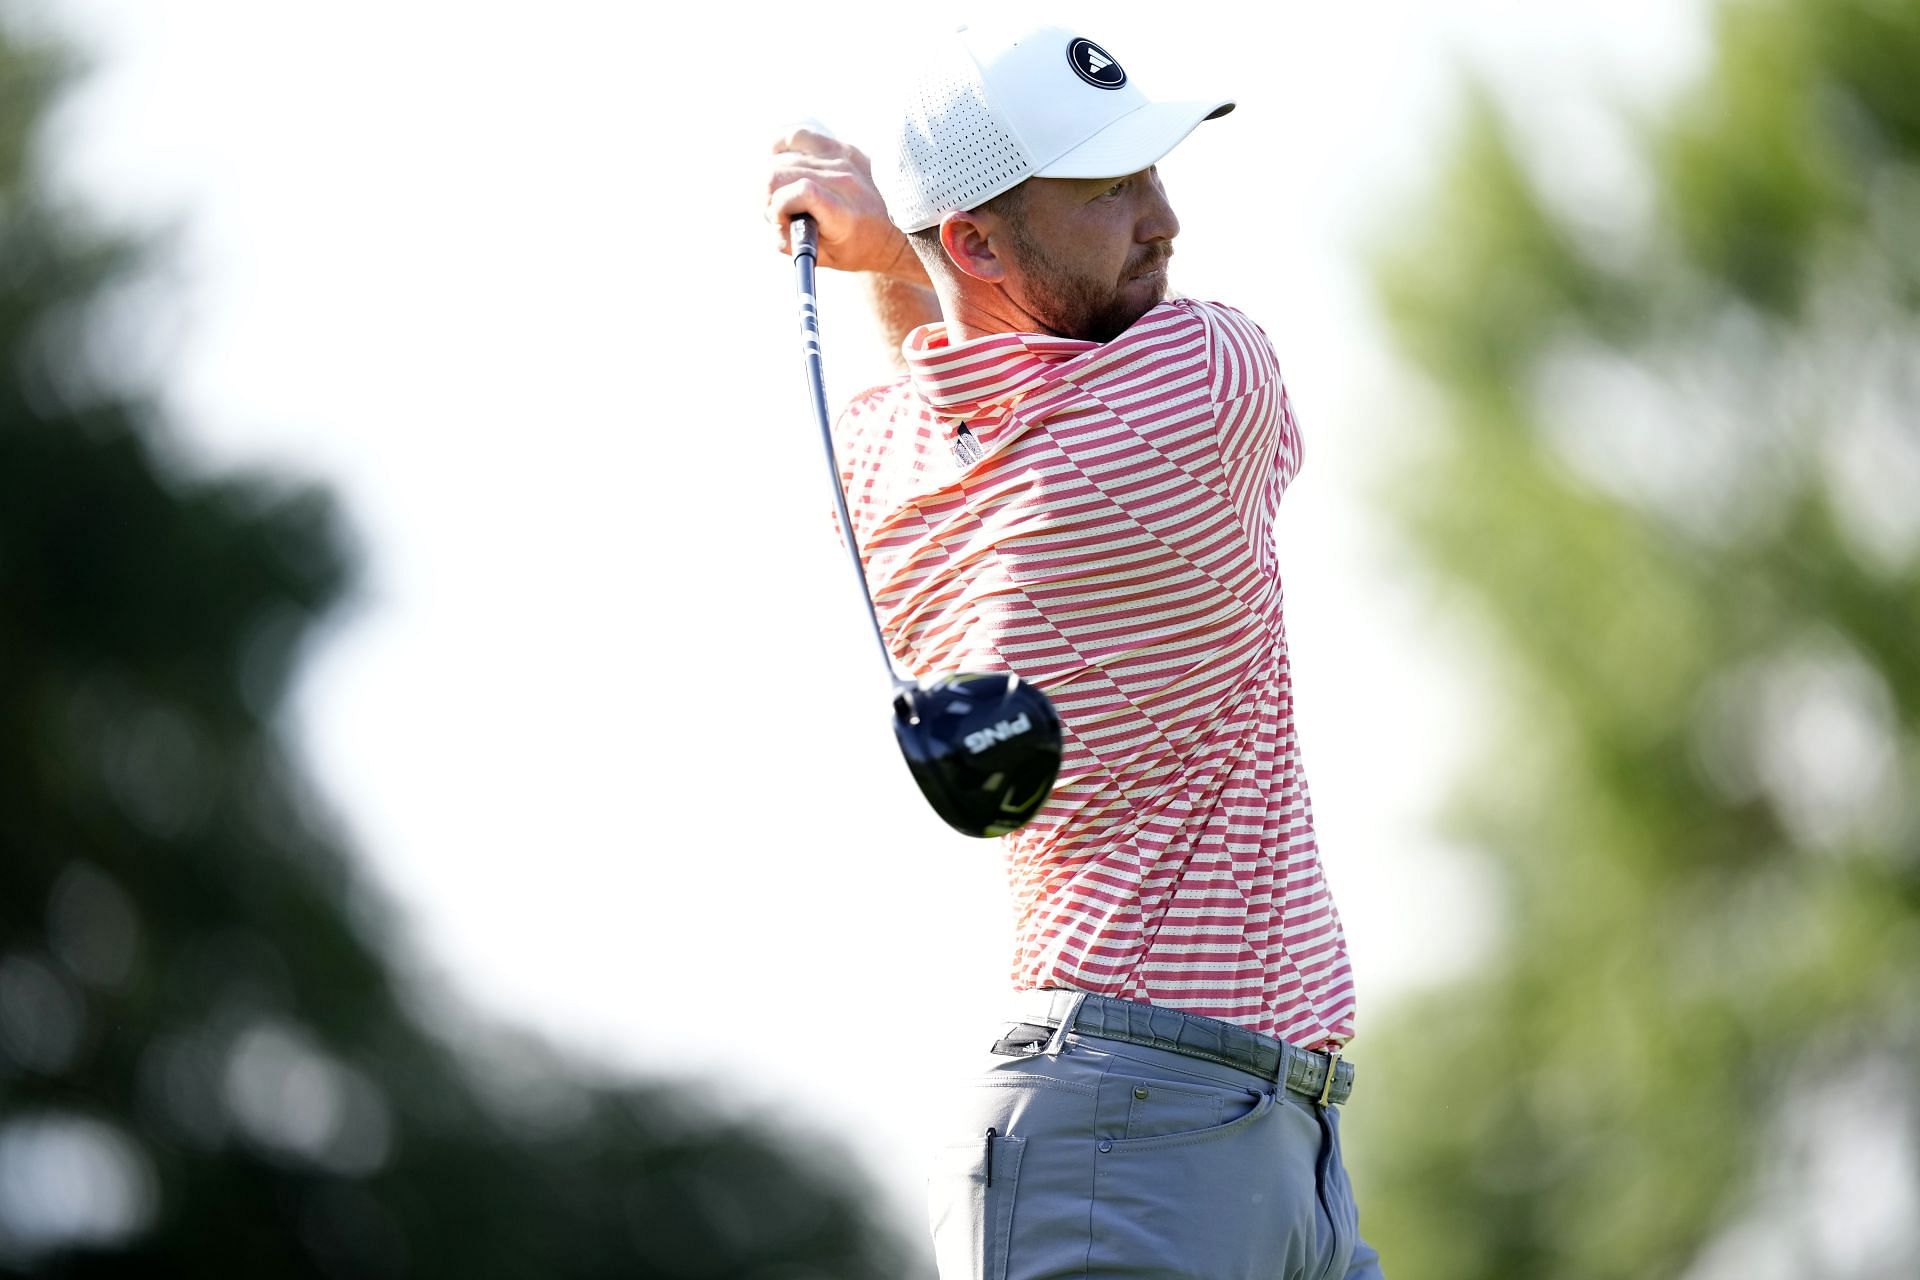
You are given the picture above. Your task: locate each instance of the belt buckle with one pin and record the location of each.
(1326, 1089)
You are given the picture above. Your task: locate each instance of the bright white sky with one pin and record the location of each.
(606, 721)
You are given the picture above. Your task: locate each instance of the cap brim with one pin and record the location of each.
(1136, 141)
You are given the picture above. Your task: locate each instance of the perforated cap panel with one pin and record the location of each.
(954, 152)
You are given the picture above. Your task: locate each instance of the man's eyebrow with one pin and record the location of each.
(1104, 183)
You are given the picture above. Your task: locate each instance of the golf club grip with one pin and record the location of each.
(806, 236)
(805, 249)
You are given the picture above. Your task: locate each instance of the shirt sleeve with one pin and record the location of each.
(1259, 440)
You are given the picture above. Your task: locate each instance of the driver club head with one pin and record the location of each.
(983, 747)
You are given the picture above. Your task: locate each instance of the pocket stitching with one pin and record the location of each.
(999, 1250)
(959, 1164)
(1033, 1082)
(1263, 1104)
(1212, 1100)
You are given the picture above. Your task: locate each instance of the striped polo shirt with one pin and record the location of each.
(1097, 518)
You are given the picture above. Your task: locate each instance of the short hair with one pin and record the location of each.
(926, 241)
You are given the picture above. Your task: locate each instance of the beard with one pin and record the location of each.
(1076, 307)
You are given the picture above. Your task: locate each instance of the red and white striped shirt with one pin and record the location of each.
(1106, 533)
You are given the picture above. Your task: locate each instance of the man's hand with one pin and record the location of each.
(818, 175)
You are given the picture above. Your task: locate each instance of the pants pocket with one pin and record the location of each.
(1130, 1107)
(1214, 1202)
(1158, 1117)
(970, 1199)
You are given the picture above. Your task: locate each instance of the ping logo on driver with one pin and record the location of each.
(980, 741)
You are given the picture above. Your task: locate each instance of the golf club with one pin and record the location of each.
(984, 747)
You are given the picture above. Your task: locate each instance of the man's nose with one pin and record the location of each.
(1157, 221)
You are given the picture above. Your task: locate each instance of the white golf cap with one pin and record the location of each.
(994, 108)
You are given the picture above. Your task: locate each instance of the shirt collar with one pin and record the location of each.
(976, 377)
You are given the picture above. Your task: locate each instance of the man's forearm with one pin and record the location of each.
(832, 182)
(901, 306)
(902, 298)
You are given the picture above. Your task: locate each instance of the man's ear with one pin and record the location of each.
(967, 236)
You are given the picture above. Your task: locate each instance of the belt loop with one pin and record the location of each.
(1058, 1044)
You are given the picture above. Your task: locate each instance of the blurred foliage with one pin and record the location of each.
(1675, 476)
(206, 1065)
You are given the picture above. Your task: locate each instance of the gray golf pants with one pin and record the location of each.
(1099, 1159)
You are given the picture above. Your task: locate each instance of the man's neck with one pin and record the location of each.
(977, 314)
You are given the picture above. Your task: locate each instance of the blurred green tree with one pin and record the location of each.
(206, 1066)
(1674, 475)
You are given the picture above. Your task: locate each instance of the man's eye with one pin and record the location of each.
(1116, 188)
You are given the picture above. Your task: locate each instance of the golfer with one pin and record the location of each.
(1076, 480)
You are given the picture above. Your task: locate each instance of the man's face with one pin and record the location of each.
(1090, 255)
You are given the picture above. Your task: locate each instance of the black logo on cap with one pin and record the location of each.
(1095, 65)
